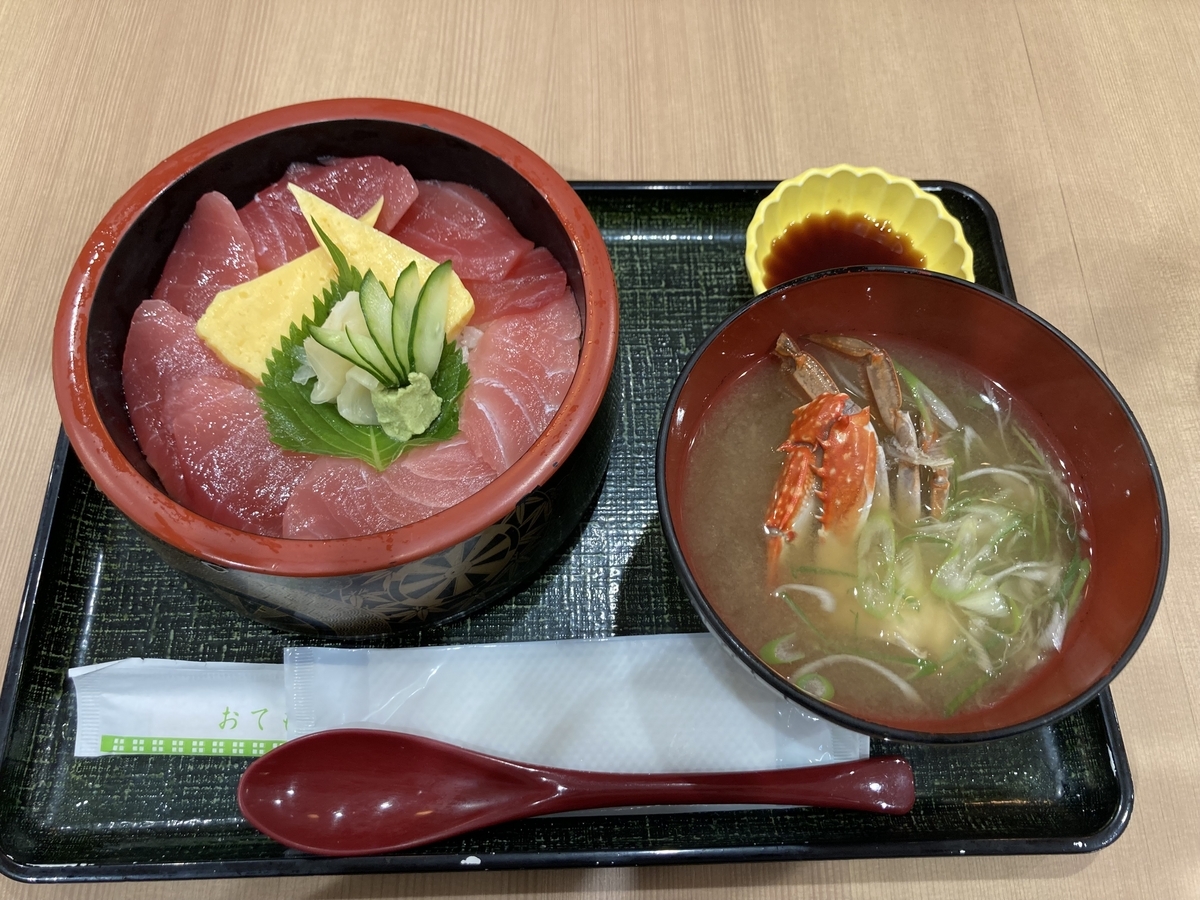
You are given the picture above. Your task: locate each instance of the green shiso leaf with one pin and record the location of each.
(296, 423)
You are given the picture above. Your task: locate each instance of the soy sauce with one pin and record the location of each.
(835, 239)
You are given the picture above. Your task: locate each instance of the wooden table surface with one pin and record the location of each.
(1079, 121)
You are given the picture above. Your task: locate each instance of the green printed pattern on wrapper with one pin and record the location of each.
(113, 743)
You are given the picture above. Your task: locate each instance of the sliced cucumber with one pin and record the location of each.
(338, 340)
(406, 333)
(369, 351)
(428, 335)
(377, 311)
(404, 299)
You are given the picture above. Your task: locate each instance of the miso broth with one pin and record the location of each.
(907, 621)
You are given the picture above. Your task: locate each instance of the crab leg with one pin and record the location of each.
(807, 372)
(939, 476)
(881, 374)
(885, 389)
(908, 473)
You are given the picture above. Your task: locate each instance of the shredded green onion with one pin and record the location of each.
(966, 694)
(817, 570)
(815, 685)
(781, 651)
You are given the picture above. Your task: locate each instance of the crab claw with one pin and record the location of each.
(831, 456)
(798, 479)
(847, 475)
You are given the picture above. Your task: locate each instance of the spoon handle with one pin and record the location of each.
(882, 784)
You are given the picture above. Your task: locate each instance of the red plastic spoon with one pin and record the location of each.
(352, 792)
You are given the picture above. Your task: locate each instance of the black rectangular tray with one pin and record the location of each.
(96, 592)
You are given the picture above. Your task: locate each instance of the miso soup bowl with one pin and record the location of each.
(1056, 382)
(441, 568)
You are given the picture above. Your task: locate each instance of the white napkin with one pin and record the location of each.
(655, 703)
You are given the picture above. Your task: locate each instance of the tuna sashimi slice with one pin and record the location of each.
(440, 475)
(353, 185)
(539, 393)
(278, 231)
(346, 498)
(529, 374)
(498, 422)
(277, 227)
(162, 348)
(450, 221)
(557, 321)
(232, 473)
(520, 371)
(534, 281)
(213, 252)
(543, 344)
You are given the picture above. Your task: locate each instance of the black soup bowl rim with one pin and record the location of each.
(716, 625)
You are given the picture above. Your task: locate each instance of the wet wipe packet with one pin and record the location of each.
(653, 703)
(179, 708)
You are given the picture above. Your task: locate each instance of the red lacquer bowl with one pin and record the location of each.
(1056, 382)
(442, 567)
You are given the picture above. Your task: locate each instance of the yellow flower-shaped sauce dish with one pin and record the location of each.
(844, 216)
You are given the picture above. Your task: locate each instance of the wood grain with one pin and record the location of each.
(1079, 121)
